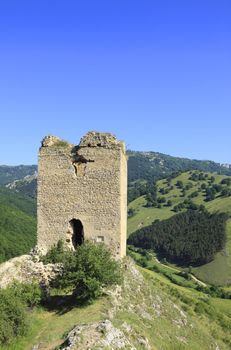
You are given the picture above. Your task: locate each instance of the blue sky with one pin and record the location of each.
(155, 73)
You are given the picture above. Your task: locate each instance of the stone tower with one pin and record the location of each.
(82, 192)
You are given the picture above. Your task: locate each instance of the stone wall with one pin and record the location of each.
(87, 183)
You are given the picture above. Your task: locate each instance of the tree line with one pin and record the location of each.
(189, 238)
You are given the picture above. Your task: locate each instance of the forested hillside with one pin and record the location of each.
(189, 238)
(17, 224)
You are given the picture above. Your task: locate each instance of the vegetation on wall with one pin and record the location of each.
(191, 237)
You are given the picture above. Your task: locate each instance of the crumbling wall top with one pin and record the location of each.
(91, 139)
(51, 140)
(101, 139)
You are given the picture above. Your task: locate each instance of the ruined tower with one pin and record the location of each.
(82, 192)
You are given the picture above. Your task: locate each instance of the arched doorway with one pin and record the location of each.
(77, 232)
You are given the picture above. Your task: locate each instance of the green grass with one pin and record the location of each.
(219, 270)
(222, 305)
(48, 327)
(145, 216)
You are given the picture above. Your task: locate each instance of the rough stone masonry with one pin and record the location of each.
(82, 192)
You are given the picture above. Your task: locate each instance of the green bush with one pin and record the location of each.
(55, 255)
(87, 271)
(13, 319)
(29, 293)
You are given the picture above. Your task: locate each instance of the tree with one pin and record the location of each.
(161, 200)
(188, 186)
(179, 184)
(203, 186)
(226, 192)
(210, 193)
(151, 195)
(212, 179)
(226, 181)
(87, 271)
(194, 194)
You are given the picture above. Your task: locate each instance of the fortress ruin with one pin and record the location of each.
(82, 192)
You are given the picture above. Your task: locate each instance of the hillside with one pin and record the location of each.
(178, 191)
(27, 185)
(152, 166)
(148, 312)
(17, 224)
(11, 173)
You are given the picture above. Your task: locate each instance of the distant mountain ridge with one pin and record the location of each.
(9, 173)
(152, 166)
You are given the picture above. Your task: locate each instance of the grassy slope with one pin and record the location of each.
(169, 316)
(219, 270)
(48, 328)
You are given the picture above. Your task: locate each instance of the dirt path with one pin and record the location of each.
(177, 270)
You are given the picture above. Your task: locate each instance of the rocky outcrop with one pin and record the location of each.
(101, 335)
(26, 268)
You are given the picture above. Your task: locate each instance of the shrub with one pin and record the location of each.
(226, 192)
(131, 212)
(87, 271)
(188, 186)
(203, 186)
(143, 262)
(194, 194)
(179, 184)
(29, 293)
(61, 143)
(13, 319)
(161, 200)
(55, 255)
(226, 181)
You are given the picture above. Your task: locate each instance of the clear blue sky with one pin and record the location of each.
(155, 73)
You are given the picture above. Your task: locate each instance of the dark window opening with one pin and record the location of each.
(77, 232)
